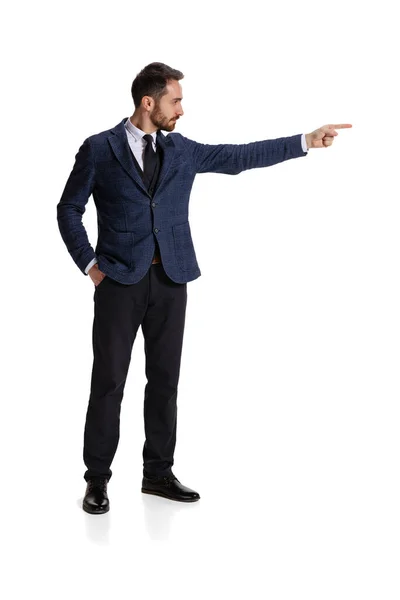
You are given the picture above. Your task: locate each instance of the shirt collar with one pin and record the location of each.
(138, 133)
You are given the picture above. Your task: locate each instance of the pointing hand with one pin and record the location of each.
(323, 137)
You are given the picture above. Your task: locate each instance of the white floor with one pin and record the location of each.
(316, 518)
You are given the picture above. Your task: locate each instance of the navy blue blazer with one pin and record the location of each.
(130, 218)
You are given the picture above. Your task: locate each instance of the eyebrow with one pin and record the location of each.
(176, 99)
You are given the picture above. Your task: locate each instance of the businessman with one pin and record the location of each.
(141, 181)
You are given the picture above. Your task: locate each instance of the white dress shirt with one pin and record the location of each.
(138, 144)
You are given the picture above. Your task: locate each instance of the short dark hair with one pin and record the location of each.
(152, 81)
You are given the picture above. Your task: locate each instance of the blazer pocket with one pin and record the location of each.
(184, 249)
(116, 248)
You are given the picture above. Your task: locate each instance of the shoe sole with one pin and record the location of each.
(96, 512)
(144, 491)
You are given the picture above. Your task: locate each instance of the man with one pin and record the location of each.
(141, 182)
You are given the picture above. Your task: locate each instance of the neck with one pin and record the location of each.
(142, 124)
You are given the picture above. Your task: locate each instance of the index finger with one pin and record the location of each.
(343, 126)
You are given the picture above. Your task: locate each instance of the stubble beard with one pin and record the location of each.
(161, 122)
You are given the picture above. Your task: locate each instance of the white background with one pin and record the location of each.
(288, 405)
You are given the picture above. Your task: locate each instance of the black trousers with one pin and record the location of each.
(158, 304)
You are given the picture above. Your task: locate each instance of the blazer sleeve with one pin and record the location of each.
(71, 207)
(235, 158)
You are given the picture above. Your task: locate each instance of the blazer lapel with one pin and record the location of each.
(119, 143)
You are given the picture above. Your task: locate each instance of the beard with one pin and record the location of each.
(160, 121)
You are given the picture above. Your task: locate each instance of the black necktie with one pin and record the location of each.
(149, 159)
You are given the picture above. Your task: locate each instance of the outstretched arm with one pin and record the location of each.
(232, 159)
(235, 158)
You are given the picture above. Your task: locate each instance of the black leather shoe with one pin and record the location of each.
(96, 500)
(169, 487)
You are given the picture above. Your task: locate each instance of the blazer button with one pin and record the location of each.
(156, 230)
(153, 204)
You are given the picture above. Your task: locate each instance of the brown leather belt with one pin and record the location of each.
(156, 259)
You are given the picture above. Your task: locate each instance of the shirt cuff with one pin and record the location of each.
(303, 142)
(90, 265)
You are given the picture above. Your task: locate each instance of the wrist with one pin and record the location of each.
(308, 140)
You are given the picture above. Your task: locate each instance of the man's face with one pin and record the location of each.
(165, 114)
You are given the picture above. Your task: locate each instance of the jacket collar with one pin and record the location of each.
(119, 144)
